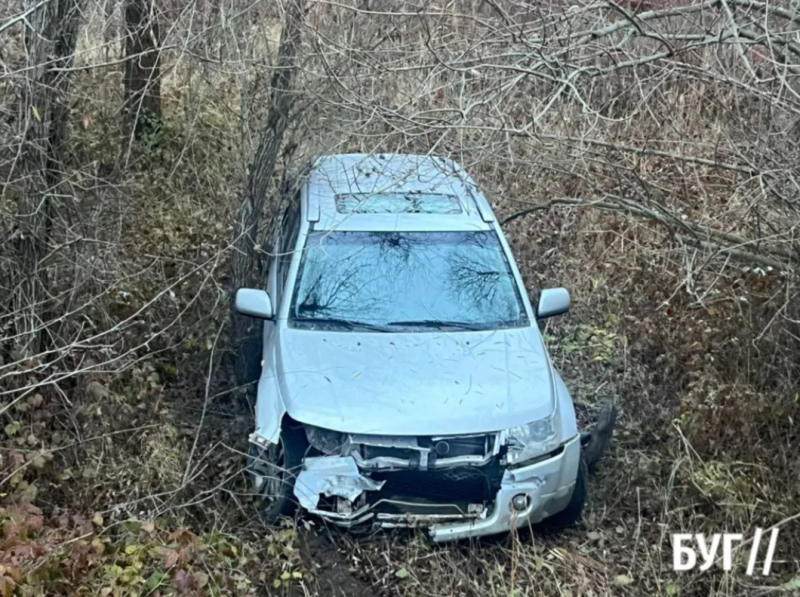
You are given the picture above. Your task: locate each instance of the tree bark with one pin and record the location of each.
(244, 260)
(50, 49)
(142, 67)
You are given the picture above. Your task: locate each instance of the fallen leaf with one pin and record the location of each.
(402, 573)
(200, 579)
(28, 495)
(34, 522)
(7, 586)
(14, 573)
(148, 527)
(622, 580)
(12, 428)
(180, 536)
(97, 391)
(170, 558)
(98, 519)
(99, 546)
(183, 581)
(154, 581)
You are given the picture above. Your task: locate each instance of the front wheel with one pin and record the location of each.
(272, 472)
(572, 513)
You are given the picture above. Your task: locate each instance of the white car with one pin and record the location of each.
(404, 379)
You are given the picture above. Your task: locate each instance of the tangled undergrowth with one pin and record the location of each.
(121, 460)
(129, 482)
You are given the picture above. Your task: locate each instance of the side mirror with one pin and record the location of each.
(552, 302)
(253, 302)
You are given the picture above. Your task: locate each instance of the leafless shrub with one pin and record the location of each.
(646, 153)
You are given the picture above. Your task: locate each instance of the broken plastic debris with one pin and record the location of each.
(331, 476)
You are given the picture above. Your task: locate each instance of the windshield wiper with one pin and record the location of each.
(344, 323)
(438, 324)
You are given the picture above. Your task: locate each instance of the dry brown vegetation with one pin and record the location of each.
(644, 154)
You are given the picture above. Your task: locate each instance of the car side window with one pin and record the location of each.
(290, 228)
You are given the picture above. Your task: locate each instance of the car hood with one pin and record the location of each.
(415, 383)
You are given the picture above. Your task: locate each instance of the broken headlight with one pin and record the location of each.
(325, 440)
(533, 440)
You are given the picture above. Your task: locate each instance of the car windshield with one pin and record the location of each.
(405, 281)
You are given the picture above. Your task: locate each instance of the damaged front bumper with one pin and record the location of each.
(466, 497)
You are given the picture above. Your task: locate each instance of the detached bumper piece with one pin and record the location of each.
(456, 492)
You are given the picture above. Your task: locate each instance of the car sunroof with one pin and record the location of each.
(398, 203)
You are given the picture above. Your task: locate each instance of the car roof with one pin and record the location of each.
(343, 189)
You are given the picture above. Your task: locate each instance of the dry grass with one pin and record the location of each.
(698, 347)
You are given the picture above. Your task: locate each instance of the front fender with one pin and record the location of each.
(569, 424)
(270, 408)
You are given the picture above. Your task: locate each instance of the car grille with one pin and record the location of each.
(426, 451)
(464, 484)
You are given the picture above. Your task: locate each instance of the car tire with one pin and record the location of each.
(574, 510)
(273, 471)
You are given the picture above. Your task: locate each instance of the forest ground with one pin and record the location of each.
(125, 476)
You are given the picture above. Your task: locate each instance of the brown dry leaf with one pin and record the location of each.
(7, 586)
(170, 558)
(14, 573)
(200, 579)
(34, 521)
(181, 536)
(31, 509)
(184, 582)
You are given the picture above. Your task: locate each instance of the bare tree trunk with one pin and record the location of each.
(142, 68)
(110, 27)
(243, 263)
(50, 48)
